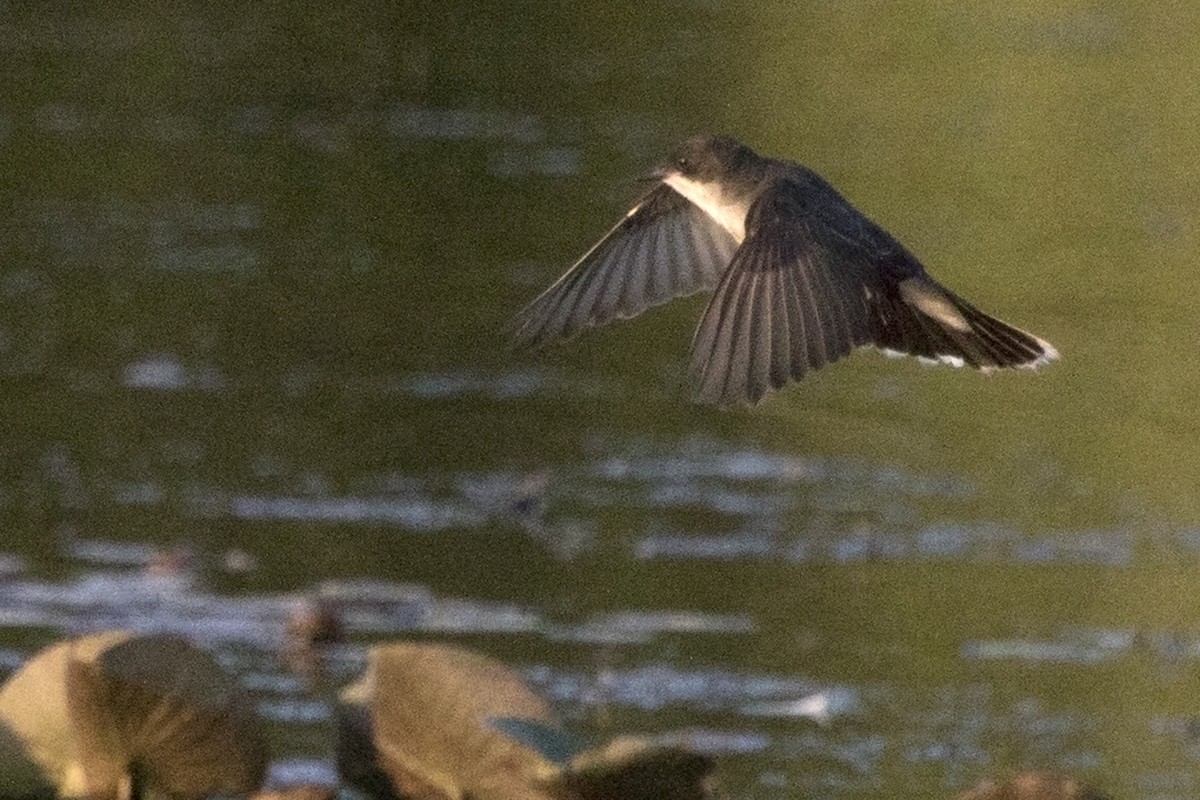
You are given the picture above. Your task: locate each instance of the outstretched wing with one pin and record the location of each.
(664, 248)
(814, 279)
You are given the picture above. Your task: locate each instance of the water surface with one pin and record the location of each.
(255, 269)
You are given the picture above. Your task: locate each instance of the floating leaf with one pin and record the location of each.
(550, 742)
(427, 707)
(103, 713)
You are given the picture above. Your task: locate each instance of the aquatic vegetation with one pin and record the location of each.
(435, 721)
(121, 715)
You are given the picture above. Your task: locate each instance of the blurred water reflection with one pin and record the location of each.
(254, 267)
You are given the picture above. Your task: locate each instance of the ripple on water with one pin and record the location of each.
(12, 565)
(640, 627)
(1113, 548)
(821, 706)
(107, 553)
(552, 162)
(742, 546)
(1072, 646)
(715, 741)
(495, 385)
(418, 514)
(463, 124)
(834, 543)
(650, 687)
(780, 509)
(164, 372)
(811, 734)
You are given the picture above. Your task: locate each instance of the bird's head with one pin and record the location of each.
(705, 159)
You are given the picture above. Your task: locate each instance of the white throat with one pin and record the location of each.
(710, 199)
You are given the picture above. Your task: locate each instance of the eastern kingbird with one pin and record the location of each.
(801, 278)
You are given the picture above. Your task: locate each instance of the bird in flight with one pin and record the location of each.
(799, 276)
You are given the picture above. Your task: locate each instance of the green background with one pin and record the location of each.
(255, 265)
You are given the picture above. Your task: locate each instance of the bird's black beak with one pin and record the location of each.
(656, 174)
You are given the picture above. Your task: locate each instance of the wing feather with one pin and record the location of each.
(664, 248)
(780, 331)
(814, 279)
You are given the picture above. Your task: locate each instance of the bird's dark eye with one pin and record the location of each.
(684, 165)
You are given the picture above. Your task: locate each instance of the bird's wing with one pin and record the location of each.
(909, 312)
(814, 279)
(664, 248)
(782, 308)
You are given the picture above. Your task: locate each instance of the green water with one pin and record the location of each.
(266, 252)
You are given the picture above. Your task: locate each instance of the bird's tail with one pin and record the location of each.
(924, 319)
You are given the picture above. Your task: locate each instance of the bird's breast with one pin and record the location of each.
(710, 198)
